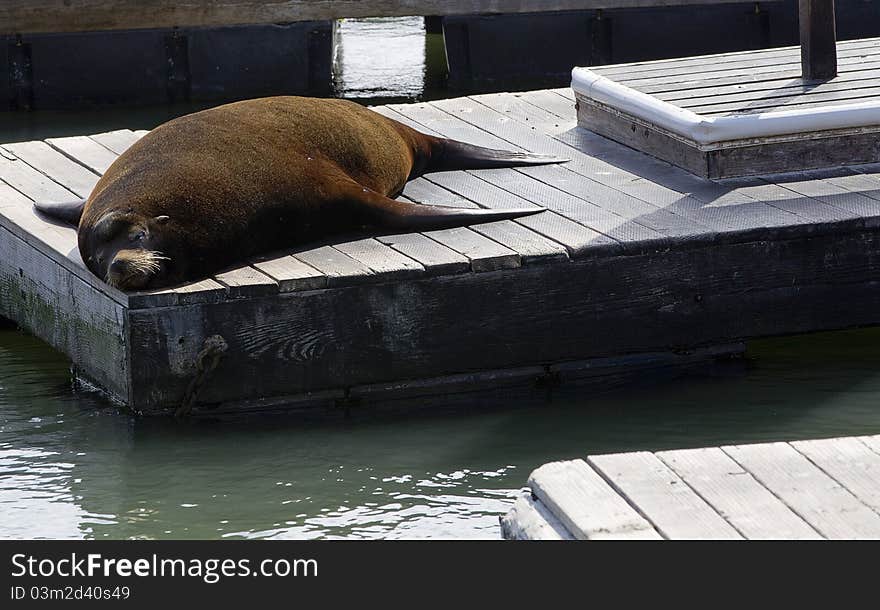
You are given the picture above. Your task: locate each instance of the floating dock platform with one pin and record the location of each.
(636, 263)
(813, 489)
(723, 116)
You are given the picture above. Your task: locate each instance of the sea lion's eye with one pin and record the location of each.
(139, 236)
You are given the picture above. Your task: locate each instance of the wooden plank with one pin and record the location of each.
(531, 246)
(481, 252)
(436, 258)
(780, 55)
(813, 211)
(564, 235)
(199, 292)
(689, 205)
(700, 295)
(243, 282)
(530, 520)
(52, 241)
(662, 496)
(815, 185)
(36, 185)
(818, 32)
(701, 81)
(756, 66)
(586, 505)
(866, 184)
(485, 254)
(785, 90)
(733, 159)
(676, 182)
(292, 274)
(70, 315)
(339, 268)
(756, 89)
(849, 462)
(430, 193)
(736, 495)
(85, 151)
(785, 58)
(521, 182)
(772, 104)
(25, 16)
(537, 239)
(806, 153)
(55, 166)
(809, 492)
(18, 216)
(382, 259)
(117, 141)
(640, 178)
(872, 442)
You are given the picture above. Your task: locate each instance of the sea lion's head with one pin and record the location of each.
(125, 249)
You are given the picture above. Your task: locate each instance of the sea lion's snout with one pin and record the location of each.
(125, 249)
(133, 269)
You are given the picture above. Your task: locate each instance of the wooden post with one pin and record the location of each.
(818, 39)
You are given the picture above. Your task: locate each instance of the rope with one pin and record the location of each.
(209, 357)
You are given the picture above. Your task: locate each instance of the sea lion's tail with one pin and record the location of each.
(68, 211)
(454, 155)
(408, 216)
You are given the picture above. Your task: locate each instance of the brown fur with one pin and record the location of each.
(216, 187)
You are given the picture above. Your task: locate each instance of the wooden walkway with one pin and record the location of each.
(799, 490)
(633, 258)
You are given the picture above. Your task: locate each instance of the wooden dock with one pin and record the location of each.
(635, 263)
(801, 490)
(739, 114)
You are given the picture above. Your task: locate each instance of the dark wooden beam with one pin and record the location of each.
(818, 39)
(30, 16)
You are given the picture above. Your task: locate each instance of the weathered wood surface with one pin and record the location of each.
(753, 81)
(827, 488)
(586, 505)
(633, 256)
(674, 508)
(530, 520)
(737, 84)
(21, 16)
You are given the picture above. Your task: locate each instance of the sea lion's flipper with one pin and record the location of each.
(382, 212)
(68, 211)
(454, 155)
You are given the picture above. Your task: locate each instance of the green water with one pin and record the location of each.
(73, 466)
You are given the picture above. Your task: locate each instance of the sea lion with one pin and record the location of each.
(216, 187)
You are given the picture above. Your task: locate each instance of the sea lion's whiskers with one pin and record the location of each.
(147, 261)
(141, 262)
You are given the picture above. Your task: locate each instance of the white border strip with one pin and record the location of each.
(714, 130)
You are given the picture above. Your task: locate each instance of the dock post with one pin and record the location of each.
(436, 65)
(818, 39)
(21, 75)
(600, 39)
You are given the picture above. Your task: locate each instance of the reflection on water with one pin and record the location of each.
(71, 466)
(380, 58)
